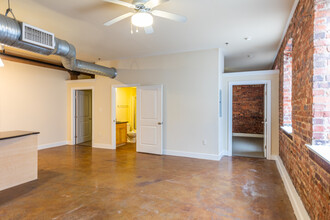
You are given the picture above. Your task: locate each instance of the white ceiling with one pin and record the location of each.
(211, 23)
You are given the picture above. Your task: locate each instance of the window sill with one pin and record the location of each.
(322, 151)
(287, 131)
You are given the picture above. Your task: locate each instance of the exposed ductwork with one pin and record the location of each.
(11, 35)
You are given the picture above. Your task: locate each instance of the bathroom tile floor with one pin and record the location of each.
(77, 182)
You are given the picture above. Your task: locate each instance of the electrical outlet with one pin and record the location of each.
(204, 142)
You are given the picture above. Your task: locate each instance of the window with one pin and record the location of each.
(321, 77)
(287, 87)
(321, 83)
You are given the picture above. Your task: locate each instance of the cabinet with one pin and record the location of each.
(121, 133)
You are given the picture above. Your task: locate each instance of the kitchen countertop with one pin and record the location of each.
(14, 134)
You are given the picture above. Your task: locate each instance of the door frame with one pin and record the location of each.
(113, 110)
(73, 110)
(268, 113)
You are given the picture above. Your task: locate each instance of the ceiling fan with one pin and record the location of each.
(144, 12)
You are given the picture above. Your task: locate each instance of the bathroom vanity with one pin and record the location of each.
(121, 133)
(18, 158)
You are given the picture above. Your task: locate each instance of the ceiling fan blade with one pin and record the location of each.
(154, 3)
(149, 30)
(126, 4)
(170, 16)
(122, 17)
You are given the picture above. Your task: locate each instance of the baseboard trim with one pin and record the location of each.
(194, 155)
(295, 200)
(104, 146)
(248, 135)
(52, 145)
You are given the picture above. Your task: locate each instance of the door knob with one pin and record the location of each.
(160, 123)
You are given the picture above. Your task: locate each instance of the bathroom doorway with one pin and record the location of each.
(146, 134)
(125, 118)
(249, 119)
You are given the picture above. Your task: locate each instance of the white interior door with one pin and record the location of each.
(149, 112)
(83, 116)
(265, 121)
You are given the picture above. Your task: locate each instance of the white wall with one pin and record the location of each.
(191, 89)
(252, 76)
(39, 99)
(190, 96)
(101, 108)
(33, 98)
(191, 83)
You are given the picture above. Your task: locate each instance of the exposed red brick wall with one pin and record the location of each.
(248, 109)
(309, 177)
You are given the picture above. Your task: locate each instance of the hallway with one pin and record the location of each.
(88, 183)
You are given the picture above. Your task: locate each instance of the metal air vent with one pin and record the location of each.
(37, 36)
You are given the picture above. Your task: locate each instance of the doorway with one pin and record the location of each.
(83, 117)
(249, 119)
(144, 126)
(126, 118)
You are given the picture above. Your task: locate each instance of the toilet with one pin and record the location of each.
(131, 135)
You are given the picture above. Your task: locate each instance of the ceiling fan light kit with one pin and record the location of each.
(143, 16)
(142, 19)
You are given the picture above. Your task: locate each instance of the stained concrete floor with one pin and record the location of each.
(248, 147)
(87, 143)
(87, 183)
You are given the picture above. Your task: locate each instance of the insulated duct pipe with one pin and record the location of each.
(10, 34)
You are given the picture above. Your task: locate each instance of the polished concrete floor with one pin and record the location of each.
(248, 147)
(86, 183)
